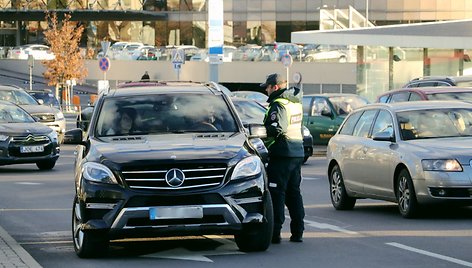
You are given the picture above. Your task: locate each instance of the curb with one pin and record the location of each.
(14, 252)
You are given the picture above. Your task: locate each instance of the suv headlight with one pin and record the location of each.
(247, 167)
(3, 137)
(53, 135)
(59, 115)
(98, 173)
(441, 165)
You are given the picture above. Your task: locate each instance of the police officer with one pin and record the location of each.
(283, 122)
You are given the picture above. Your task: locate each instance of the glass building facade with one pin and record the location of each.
(246, 21)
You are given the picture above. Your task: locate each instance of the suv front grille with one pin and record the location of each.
(45, 117)
(196, 177)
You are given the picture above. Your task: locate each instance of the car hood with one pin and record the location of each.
(459, 148)
(34, 109)
(23, 129)
(174, 147)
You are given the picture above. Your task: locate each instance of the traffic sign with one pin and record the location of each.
(178, 56)
(297, 77)
(177, 66)
(104, 64)
(287, 60)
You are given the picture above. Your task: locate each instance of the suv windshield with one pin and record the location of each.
(164, 113)
(18, 97)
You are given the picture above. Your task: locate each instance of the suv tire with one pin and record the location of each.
(87, 244)
(257, 237)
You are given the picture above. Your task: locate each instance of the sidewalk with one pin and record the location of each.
(12, 254)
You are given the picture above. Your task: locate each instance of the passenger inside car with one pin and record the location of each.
(124, 122)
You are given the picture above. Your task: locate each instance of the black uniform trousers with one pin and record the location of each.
(284, 184)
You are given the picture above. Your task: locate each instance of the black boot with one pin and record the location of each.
(276, 238)
(296, 238)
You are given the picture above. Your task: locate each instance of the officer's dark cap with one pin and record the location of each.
(272, 79)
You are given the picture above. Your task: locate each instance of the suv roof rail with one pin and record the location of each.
(214, 85)
(431, 77)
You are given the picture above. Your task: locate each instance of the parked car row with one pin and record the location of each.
(39, 52)
(250, 52)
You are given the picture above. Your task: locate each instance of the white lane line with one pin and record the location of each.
(28, 183)
(430, 254)
(326, 226)
(310, 179)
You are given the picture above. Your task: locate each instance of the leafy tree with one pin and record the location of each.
(63, 38)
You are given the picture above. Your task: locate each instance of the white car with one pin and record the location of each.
(202, 55)
(39, 52)
(314, 53)
(118, 51)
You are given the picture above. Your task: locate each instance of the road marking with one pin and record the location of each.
(430, 254)
(228, 247)
(371, 204)
(327, 226)
(28, 183)
(310, 179)
(34, 209)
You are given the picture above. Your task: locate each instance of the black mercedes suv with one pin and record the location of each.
(168, 160)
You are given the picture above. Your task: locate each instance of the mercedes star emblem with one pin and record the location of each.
(175, 177)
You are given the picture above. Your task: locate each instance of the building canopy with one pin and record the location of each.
(456, 34)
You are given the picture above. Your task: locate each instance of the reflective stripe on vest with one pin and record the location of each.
(294, 119)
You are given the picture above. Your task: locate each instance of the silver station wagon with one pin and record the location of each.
(411, 153)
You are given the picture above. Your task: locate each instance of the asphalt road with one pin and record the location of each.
(35, 209)
(36, 212)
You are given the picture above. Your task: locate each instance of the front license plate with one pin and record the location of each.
(190, 212)
(32, 149)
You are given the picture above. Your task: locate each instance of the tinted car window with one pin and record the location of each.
(384, 99)
(250, 112)
(348, 126)
(384, 122)
(414, 97)
(306, 102)
(345, 104)
(428, 84)
(155, 114)
(48, 98)
(319, 105)
(399, 97)
(464, 96)
(362, 127)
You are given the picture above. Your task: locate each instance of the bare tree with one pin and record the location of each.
(63, 37)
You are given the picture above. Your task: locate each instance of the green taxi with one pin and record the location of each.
(324, 113)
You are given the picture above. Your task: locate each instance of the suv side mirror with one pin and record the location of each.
(40, 101)
(257, 131)
(73, 136)
(383, 136)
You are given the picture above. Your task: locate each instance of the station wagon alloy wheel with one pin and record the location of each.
(339, 197)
